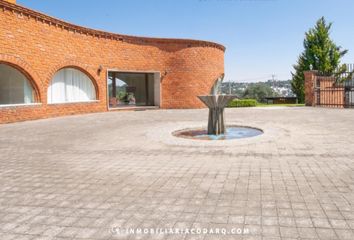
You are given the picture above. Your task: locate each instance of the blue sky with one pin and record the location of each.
(262, 37)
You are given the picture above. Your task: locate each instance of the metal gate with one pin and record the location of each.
(335, 91)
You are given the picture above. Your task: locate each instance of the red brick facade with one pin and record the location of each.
(310, 81)
(39, 46)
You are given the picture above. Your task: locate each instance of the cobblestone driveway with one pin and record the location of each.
(77, 177)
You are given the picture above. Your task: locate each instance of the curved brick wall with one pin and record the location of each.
(40, 45)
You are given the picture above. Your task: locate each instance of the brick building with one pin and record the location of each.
(49, 68)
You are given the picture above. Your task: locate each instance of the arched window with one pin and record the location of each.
(15, 88)
(71, 85)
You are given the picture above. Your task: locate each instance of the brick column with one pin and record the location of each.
(310, 83)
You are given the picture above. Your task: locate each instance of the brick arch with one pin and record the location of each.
(26, 70)
(79, 66)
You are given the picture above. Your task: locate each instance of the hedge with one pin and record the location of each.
(243, 103)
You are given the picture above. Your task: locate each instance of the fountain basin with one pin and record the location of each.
(231, 132)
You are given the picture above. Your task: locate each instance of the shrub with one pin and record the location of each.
(243, 103)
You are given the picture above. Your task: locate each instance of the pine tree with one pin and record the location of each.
(320, 53)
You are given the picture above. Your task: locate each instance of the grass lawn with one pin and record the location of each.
(279, 105)
(253, 103)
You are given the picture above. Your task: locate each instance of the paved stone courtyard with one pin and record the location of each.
(86, 177)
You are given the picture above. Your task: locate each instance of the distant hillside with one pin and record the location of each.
(281, 88)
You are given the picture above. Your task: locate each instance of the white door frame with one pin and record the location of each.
(157, 98)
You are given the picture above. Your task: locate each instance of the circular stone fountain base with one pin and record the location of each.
(232, 132)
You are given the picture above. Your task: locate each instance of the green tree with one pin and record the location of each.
(259, 91)
(320, 53)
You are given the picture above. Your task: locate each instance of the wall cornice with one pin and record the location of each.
(40, 17)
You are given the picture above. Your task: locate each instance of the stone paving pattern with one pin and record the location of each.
(76, 177)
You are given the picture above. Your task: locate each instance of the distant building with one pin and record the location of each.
(281, 100)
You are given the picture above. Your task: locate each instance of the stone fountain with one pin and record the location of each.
(217, 129)
(216, 103)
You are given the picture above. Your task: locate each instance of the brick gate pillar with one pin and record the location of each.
(310, 83)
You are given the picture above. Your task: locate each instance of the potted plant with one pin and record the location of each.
(131, 99)
(113, 101)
